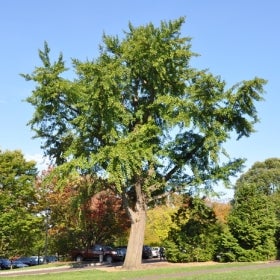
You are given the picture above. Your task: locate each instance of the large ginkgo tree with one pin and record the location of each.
(140, 119)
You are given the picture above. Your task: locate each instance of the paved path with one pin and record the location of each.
(67, 268)
(46, 270)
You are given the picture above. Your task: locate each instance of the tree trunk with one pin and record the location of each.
(133, 257)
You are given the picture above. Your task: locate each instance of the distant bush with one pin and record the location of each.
(194, 236)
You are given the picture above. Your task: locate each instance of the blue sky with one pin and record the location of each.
(237, 40)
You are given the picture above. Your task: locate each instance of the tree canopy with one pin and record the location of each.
(254, 219)
(20, 227)
(195, 232)
(141, 119)
(79, 215)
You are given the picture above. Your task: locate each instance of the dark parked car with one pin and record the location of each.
(28, 260)
(94, 253)
(37, 259)
(147, 252)
(18, 264)
(121, 252)
(51, 259)
(5, 264)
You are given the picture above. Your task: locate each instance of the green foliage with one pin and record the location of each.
(228, 248)
(158, 223)
(117, 116)
(265, 175)
(253, 221)
(194, 238)
(20, 227)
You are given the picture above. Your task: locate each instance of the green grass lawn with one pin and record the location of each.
(239, 271)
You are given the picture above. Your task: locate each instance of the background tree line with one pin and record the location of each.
(191, 228)
(248, 230)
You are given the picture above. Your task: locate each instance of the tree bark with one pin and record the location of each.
(133, 257)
